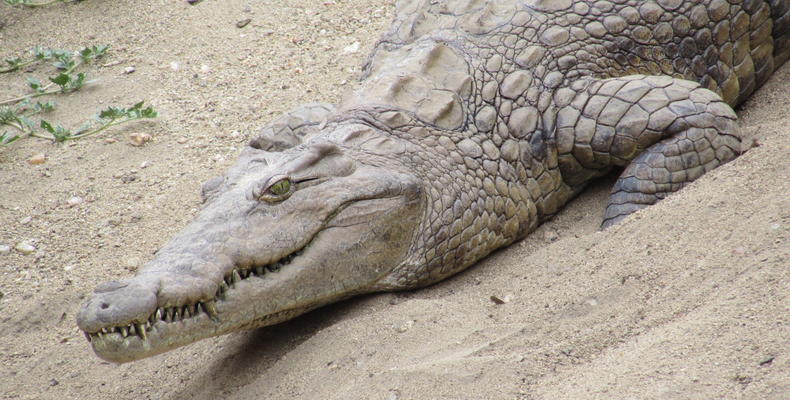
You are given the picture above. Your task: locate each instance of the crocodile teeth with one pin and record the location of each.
(159, 315)
(141, 331)
(124, 331)
(187, 312)
(211, 309)
(176, 314)
(235, 276)
(169, 315)
(132, 330)
(223, 287)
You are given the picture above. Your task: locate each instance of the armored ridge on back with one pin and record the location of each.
(475, 122)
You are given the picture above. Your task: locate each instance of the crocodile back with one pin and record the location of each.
(729, 46)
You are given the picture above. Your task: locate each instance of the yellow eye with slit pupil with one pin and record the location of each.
(281, 187)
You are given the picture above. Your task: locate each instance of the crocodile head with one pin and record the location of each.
(280, 234)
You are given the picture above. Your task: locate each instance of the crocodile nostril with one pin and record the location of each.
(104, 306)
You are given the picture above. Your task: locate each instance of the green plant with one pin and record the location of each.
(110, 116)
(65, 62)
(16, 112)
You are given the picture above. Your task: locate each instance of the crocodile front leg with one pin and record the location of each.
(667, 132)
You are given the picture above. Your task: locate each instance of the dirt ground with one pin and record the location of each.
(685, 300)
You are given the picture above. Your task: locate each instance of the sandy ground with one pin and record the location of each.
(686, 300)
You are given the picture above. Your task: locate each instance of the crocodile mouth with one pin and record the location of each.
(165, 318)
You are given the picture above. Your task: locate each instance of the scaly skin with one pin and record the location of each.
(475, 122)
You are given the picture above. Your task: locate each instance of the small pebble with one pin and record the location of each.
(352, 48)
(37, 159)
(182, 140)
(110, 140)
(5, 249)
(128, 70)
(767, 361)
(25, 248)
(405, 326)
(205, 68)
(243, 23)
(128, 178)
(144, 164)
(68, 268)
(74, 201)
(131, 263)
(550, 236)
(175, 66)
(26, 220)
(499, 300)
(139, 138)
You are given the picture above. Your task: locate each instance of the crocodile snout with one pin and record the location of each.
(118, 303)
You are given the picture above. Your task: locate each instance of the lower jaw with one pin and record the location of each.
(166, 336)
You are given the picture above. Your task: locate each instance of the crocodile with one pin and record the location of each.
(473, 122)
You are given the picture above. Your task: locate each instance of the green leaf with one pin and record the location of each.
(47, 126)
(27, 122)
(44, 107)
(61, 80)
(93, 52)
(111, 113)
(13, 62)
(149, 112)
(65, 60)
(7, 115)
(6, 139)
(85, 53)
(34, 83)
(40, 53)
(61, 134)
(79, 81)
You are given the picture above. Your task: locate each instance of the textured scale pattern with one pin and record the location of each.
(507, 108)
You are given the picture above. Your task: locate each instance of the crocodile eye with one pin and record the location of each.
(278, 191)
(281, 187)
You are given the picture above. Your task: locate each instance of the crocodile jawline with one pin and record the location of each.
(173, 314)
